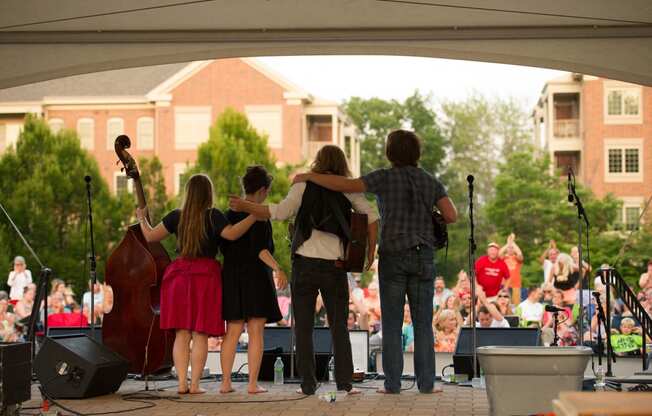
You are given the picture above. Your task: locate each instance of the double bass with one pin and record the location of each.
(134, 272)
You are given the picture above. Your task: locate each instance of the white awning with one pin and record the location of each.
(44, 40)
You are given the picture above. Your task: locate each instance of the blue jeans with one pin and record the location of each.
(410, 272)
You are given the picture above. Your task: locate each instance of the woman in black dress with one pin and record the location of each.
(249, 290)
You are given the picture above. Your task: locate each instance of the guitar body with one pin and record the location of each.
(356, 250)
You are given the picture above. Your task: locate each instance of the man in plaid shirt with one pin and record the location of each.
(406, 195)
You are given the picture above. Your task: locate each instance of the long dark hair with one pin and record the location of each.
(192, 224)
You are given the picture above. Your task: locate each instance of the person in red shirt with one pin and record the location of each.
(491, 271)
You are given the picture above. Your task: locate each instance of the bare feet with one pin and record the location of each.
(383, 391)
(226, 389)
(256, 390)
(353, 391)
(433, 391)
(196, 390)
(182, 390)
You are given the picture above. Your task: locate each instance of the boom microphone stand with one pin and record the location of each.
(93, 264)
(472, 247)
(581, 215)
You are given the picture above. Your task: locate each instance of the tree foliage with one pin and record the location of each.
(43, 189)
(233, 145)
(375, 118)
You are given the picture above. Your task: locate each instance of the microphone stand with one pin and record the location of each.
(93, 264)
(555, 339)
(472, 247)
(581, 215)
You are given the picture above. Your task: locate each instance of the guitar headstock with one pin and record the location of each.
(129, 166)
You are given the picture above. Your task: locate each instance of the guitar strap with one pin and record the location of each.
(428, 209)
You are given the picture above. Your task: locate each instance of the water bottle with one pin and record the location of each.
(331, 370)
(600, 384)
(278, 371)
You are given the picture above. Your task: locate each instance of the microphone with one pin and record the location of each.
(551, 308)
(470, 179)
(87, 178)
(570, 186)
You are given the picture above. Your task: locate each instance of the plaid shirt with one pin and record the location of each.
(405, 199)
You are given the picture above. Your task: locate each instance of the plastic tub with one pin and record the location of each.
(525, 380)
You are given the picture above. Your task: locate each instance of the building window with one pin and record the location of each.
(56, 124)
(86, 132)
(631, 218)
(267, 120)
(623, 105)
(624, 160)
(191, 126)
(179, 172)
(121, 183)
(145, 133)
(114, 128)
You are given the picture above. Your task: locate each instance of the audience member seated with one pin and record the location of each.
(451, 303)
(629, 341)
(447, 327)
(503, 303)
(566, 315)
(56, 305)
(23, 308)
(372, 304)
(408, 330)
(441, 293)
(465, 300)
(98, 302)
(488, 315)
(530, 311)
(548, 290)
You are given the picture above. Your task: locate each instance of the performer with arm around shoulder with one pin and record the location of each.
(191, 291)
(317, 246)
(249, 289)
(405, 195)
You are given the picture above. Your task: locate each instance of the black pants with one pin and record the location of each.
(309, 276)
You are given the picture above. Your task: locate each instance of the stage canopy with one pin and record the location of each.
(40, 40)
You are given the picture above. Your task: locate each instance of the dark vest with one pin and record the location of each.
(316, 213)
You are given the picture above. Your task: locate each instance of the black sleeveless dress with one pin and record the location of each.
(248, 284)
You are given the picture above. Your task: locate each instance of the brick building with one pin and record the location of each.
(167, 109)
(603, 130)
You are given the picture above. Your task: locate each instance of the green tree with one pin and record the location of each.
(375, 118)
(233, 145)
(42, 187)
(153, 180)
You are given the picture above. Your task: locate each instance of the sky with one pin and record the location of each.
(340, 77)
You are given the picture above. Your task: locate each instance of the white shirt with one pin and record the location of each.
(547, 269)
(530, 311)
(18, 281)
(98, 299)
(321, 245)
(495, 324)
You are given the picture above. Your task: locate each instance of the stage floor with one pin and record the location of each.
(452, 401)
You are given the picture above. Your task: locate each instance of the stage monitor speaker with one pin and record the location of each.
(15, 373)
(463, 357)
(75, 367)
(59, 331)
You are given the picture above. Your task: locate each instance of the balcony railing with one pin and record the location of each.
(569, 128)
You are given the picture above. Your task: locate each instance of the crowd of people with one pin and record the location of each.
(63, 308)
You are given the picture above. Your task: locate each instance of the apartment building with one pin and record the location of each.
(602, 129)
(167, 110)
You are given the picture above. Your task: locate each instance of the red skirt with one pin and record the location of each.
(191, 296)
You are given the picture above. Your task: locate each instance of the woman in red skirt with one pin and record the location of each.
(191, 292)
